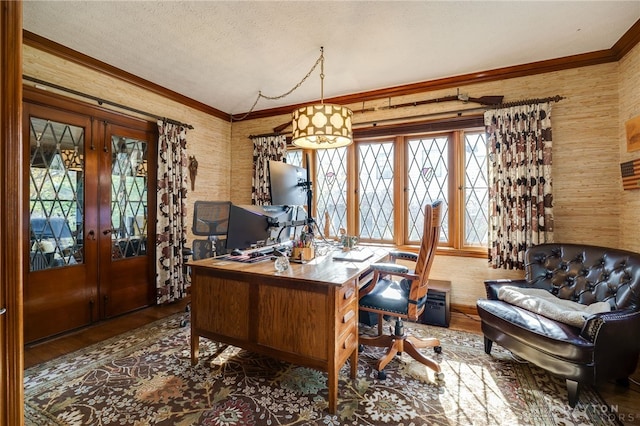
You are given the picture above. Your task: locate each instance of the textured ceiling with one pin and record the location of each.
(223, 53)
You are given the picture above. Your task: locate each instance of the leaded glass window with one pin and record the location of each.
(56, 194)
(128, 197)
(330, 190)
(376, 191)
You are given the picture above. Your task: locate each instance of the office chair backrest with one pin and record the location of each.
(428, 246)
(202, 249)
(210, 218)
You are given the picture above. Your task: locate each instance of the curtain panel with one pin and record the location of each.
(265, 148)
(520, 187)
(171, 227)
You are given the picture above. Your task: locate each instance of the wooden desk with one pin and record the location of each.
(307, 315)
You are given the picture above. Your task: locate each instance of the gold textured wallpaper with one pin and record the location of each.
(589, 143)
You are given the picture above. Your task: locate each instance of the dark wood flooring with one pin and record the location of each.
(626, 401)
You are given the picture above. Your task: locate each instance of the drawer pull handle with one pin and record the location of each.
(3, 311)
(348, 293)
(347, 342)
(347, 317)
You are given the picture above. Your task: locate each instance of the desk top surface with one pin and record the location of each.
(321, 269)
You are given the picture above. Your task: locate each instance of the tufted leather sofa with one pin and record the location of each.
(606, 347)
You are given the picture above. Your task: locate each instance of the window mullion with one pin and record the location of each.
(353, 186)
(400, 206)
(456, 190)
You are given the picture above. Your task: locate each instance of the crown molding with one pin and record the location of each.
(629, 40)
(46, 45)
(567, 62)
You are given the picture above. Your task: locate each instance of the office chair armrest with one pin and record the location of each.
(381, 270)
(389, 268)
(404, 255)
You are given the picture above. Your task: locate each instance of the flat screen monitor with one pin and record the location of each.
(288, 184)
(251, 226)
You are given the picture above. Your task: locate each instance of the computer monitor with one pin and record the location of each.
(288, 184)
(251, 225)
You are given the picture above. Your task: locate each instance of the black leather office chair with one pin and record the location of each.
(404, 299)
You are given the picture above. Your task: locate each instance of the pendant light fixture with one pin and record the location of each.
(322, 125)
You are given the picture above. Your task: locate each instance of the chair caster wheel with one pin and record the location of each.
(183, 323)
(360, 348)
(382, 375)
(440, 376)
(437, 349)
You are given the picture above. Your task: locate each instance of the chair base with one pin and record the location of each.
(398, 343)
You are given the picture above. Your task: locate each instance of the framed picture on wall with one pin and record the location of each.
(632, 127)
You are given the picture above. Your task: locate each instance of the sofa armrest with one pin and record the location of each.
(492, 286)
(617, 327)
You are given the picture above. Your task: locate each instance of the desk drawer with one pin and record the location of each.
(346, 320)
(346, 294)
(347, 341)
(347, 309)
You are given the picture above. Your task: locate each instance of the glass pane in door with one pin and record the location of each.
(56, 194)
(128, 197)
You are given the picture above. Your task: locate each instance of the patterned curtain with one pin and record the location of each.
(520, 202)
(265, 148)
(171, 228)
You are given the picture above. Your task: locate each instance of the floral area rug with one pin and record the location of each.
(145, 377)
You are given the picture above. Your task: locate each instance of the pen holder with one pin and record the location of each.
(348, 242)
(302, 253)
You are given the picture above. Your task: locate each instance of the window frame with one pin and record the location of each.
(455, 128)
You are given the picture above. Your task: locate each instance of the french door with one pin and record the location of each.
(90, 253)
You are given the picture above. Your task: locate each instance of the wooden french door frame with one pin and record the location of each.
(11, 236)
(110, 281)
(129, 290)
(62, 298)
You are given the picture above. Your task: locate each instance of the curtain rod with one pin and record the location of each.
(556, 98)
(101, 101)
(459, 112)
(386, 120)
(266, 135)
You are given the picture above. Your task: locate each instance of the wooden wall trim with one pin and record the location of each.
(11, 236)
(568, 62)
(55, 100)
(46, 45)
(614, 54)
(443, 124)
(627, 42)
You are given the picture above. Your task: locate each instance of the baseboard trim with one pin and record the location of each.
(464, 309)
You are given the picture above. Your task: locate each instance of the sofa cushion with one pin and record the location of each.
(544, 303)
(534, 330)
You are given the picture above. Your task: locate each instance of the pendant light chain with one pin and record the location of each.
(320, 60)
(321, 75)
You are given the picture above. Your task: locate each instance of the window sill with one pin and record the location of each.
(479, 253)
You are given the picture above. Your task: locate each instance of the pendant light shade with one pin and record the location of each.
(322, 126)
